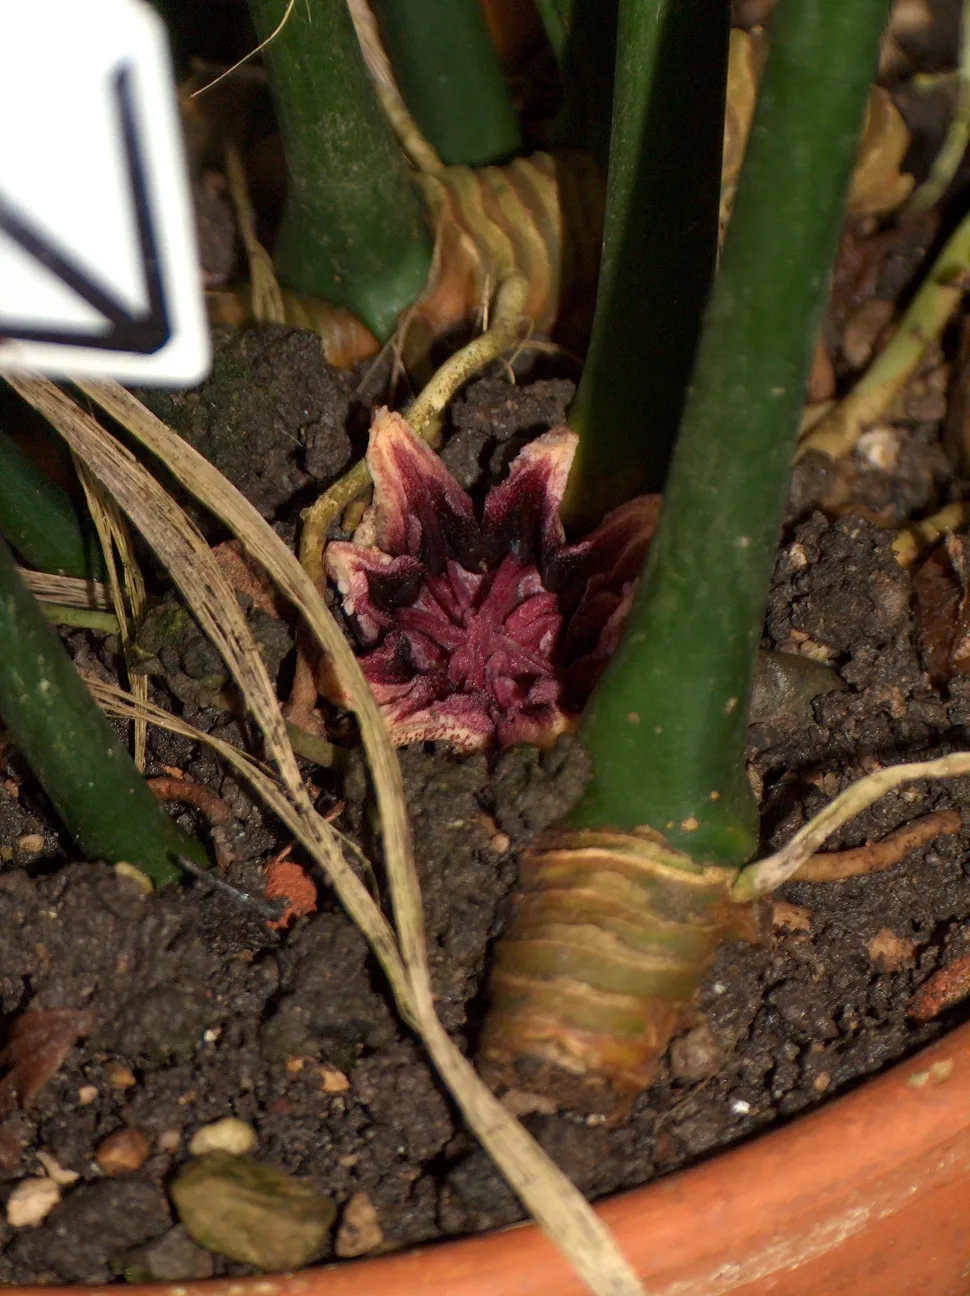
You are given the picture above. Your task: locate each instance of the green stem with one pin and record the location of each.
(70, 746)
(582, 34)
(353, 230)
(47, 528)
(81, 618)
(666, 727)
(447, 67)
(659, 248)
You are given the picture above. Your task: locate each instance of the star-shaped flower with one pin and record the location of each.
(483, 629)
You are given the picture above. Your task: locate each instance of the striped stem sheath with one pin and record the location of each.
(610, 938)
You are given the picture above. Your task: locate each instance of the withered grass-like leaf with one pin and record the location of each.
(37, 1044)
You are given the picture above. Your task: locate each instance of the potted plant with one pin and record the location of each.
(816, 1203)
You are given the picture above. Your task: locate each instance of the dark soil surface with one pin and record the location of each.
(201, 1011)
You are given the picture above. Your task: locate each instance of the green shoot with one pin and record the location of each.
(353, 230)
(447, 67)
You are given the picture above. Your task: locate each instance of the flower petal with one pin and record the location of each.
(371, 584)
(609, 557)
(539, 726)
(419, 507)
(521, 516)
(423, 707)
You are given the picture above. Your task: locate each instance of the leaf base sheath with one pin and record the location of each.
(610, 938)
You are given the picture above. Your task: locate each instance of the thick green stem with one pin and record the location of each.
(47, 528)
(449, 73)
(659, 248)
(104, 802)
(666, 726)
(353, 230)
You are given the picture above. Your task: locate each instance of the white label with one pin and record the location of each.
(99, 268)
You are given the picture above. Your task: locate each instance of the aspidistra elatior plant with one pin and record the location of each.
(621, 908)
(465, 635)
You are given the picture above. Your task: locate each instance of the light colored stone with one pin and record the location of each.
(227, 1135)
(31, 1202)
(169, 1140)
(360, 1230)
(54, 1170)
(891, 952)
(696, 1054)
(119, 1076)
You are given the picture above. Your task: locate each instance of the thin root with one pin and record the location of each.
(209, 803)
(835, 866)
(914, 540)
(838, 431)
(768, 874)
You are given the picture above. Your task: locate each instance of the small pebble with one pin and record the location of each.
(501, 843)
(696, 1055)
(880, 446)
(360, 1230)
(31, 1202)
(134, 874)
(251, 1212)
(169, 1140)
(171, 1258)
(31, 843)
(821, 1082)
(890, 952)
(227, 1135)
(123, 1152)
(86, 1095)
(119, 1076)
(54, 1170)
(333, 1081)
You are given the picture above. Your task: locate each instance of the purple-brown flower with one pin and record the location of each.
(483, 629)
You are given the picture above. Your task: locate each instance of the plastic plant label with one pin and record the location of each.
(98, 262)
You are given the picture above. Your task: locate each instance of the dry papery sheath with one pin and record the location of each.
(483, 627)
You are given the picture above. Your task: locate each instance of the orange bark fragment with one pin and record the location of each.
(944, 989)
(287, 880)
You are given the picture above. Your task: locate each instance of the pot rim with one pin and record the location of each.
(860, 1165)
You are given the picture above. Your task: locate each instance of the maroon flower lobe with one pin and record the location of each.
(465, 617)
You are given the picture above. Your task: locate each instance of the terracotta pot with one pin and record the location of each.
(869, 1195)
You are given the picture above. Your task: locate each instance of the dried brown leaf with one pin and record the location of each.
(878, 185)
(37, 1044)
(943, 610)
(247, 576)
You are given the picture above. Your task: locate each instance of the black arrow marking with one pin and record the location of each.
(141, 334)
